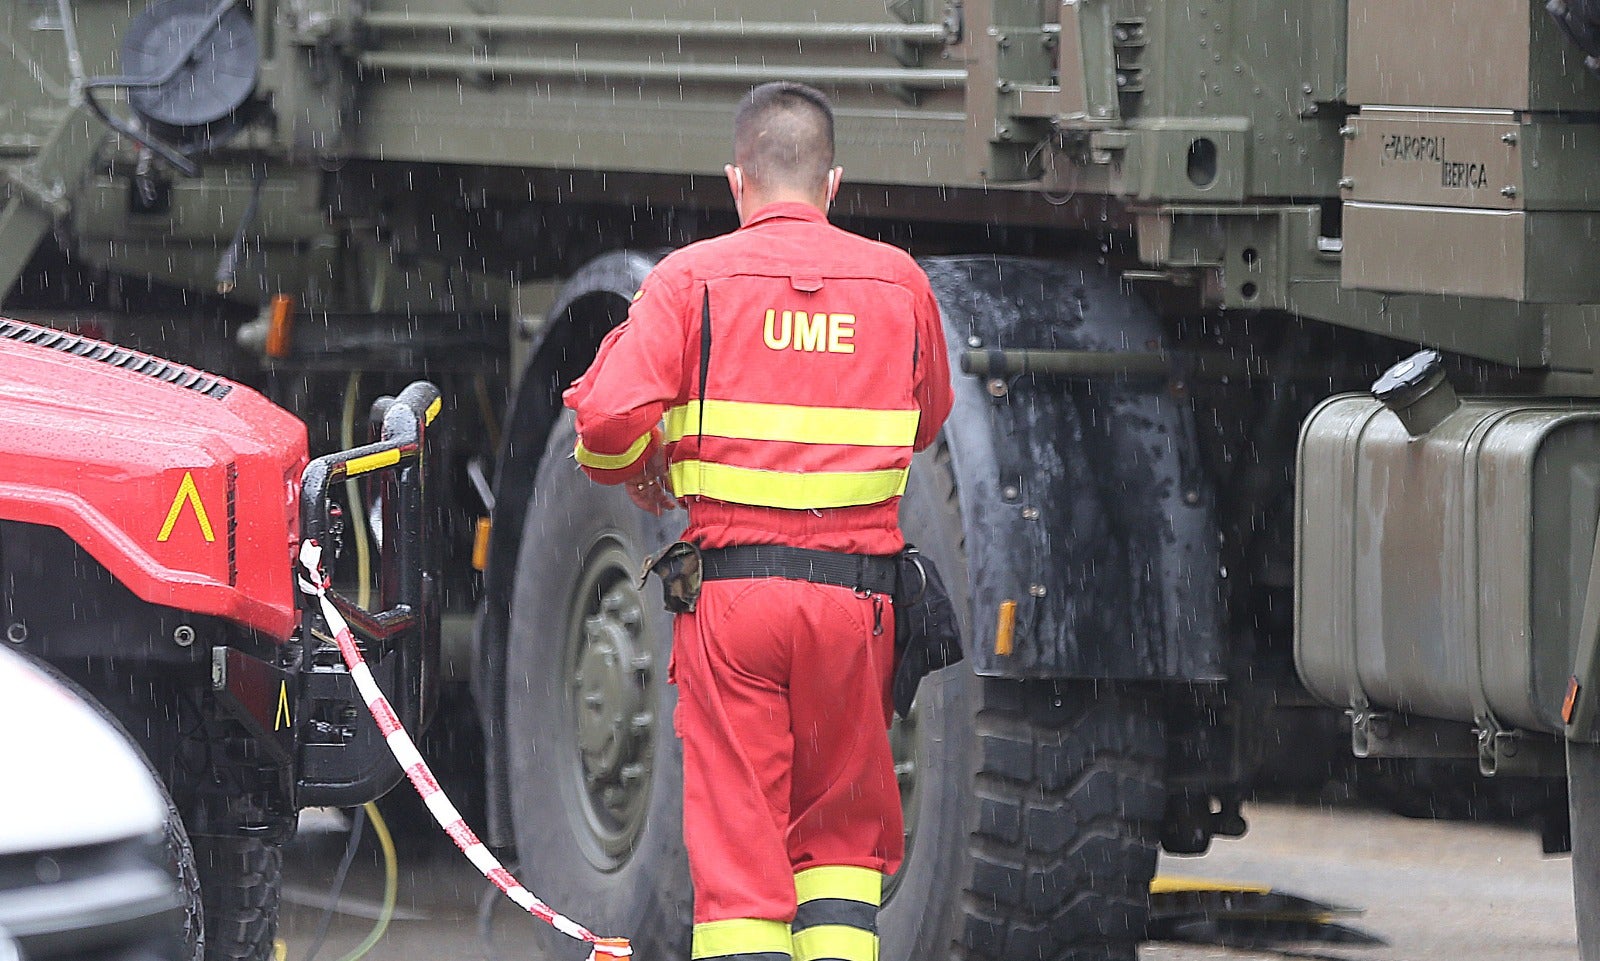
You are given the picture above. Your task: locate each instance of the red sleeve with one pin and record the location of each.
(932, 389)
(638, 370)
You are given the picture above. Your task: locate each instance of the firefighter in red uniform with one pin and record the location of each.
(777, 379)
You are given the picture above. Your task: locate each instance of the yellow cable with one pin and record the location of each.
(352, 494)
(391, 885)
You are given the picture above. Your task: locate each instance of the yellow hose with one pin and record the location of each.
(391, 885)
(352, 494)
(358, 533)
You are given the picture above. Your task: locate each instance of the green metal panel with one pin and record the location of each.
(929, 95)
(1275, 65)
(552, 86)
(1213, 125)
(1411, 53)
(591, 86)
(1459, 158)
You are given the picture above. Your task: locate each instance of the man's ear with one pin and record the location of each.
(735, 175)
(835, 178)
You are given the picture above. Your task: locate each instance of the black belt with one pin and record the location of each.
(862, 572)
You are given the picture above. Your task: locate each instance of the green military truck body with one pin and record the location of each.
(1161, 233)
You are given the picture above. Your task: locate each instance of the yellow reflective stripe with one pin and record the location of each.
(835, 941)
(433, 410)
(589, 458)
(858, 426)
(371, 462)
(839, 881)
(714, 939)
(768, 488)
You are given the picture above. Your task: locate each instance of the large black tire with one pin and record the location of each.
(235, 917)
(240, 879)
(1035, 806)
(594, 767)
(181, 862)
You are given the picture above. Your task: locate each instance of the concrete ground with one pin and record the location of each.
(1434, 891)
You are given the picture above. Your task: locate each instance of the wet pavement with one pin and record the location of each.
(1433, 891)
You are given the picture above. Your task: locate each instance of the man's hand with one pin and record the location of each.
(649, 491)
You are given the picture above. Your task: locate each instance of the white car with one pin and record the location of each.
(85, 851)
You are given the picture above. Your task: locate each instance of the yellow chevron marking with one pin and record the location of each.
(187, 493)
(282, 720)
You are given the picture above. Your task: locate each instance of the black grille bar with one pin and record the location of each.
(132, 360)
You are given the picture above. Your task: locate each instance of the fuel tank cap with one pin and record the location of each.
(1418, 392)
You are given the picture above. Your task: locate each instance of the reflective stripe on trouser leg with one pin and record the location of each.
(741, 939)
(837, 916)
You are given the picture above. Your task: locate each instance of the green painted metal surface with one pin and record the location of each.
(1218, 133)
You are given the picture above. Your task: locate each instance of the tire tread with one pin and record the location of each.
(240, 880)
(1071, 799)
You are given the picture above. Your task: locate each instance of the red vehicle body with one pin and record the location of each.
(183, 485)
(150, 514)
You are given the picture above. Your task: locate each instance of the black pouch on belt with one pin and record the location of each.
(680, 569)
(927, 635)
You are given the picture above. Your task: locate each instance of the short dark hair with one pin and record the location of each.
(783, 135)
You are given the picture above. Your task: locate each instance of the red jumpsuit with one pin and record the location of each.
(826, 369)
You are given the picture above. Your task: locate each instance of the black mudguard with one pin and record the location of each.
(1082, 500)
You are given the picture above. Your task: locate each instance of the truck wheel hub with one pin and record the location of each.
(609, 697)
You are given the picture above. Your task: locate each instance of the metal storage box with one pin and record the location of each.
(1461, 251)
(1506, 54)
(1427, 581)
(1469, 202)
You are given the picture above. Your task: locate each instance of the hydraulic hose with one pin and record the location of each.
(357, 828)
(391, 884)
(358, 533)
(352, 494)
(228, 267)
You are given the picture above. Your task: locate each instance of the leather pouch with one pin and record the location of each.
(678, 565)
(927, 635)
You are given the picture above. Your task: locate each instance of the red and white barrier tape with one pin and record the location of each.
(314, 582)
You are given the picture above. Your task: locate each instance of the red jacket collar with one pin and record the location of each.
(786, 210)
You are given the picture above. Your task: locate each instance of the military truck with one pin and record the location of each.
(1161, 235)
